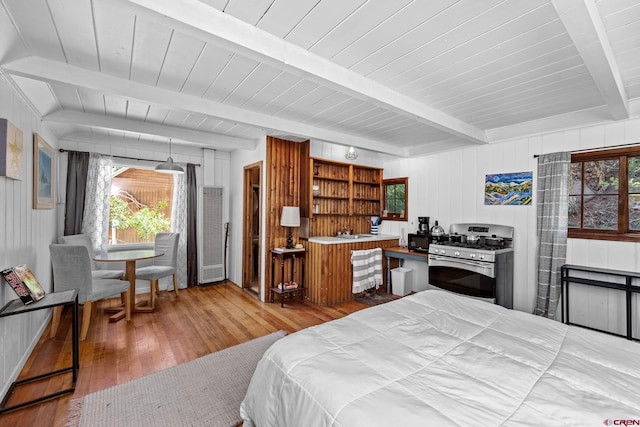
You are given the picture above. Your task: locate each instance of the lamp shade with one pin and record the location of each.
(290, 216)
(169, 167)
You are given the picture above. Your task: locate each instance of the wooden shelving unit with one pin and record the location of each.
(366, 188)
(343, 189)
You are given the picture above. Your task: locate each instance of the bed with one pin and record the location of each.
(436, 358)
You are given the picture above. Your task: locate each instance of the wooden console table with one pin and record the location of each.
(401, 253)
(627, 287)
(282, 255)
(53, 299)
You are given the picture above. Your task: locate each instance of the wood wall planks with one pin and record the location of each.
(283, 183)
(329, 270)
(289, 177)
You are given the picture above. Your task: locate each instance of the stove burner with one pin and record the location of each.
(471, 246)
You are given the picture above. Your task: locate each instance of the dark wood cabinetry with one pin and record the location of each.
(342, 195)
(330, 271)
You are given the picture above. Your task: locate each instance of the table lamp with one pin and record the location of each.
(290, 218)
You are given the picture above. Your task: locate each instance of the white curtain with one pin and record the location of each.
(95, 221)
(179, 223)
(552, 204)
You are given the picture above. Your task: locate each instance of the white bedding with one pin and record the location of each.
(438, 359)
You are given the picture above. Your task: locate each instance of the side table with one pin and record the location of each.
(282, 255)
(53, 299)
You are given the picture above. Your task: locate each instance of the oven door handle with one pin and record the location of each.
(451, 262)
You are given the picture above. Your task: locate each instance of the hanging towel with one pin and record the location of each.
(367, 269)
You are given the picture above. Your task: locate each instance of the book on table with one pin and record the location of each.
(24, 283)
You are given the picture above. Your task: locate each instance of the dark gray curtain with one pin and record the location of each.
(552, 206)
(192, 222)
(77, 171)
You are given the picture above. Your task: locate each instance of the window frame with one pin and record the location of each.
(395, 216)
(131, 164)
(623, 233)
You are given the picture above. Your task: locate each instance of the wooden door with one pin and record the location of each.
(252, 226)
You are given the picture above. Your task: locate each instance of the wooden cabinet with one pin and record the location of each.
(330, 271)
(343, 189)
(330, 188)
(366, 187)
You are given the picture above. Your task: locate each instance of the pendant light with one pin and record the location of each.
(351, 154)
(169, 166)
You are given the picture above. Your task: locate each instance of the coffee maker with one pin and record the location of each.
(419, 241)
(423, 225)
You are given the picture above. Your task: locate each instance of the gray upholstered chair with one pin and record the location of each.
(85, 240)
(72, 270)
(164, 266)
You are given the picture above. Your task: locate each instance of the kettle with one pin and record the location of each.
(437, 232)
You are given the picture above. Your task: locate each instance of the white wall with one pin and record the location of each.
(25, 235)
(238, 160)
(215, 161)
(335, 152)
(449, 187)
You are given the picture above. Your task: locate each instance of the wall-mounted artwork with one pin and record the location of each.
(11, 150)
(508, 188)
(42, 173)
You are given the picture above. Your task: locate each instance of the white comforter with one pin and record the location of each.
(437, 359)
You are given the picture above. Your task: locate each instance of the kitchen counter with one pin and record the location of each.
(331, 240)
(329, 271)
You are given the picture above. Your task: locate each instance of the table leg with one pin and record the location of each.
(142, 306)
(282, 279)
(273, 275)
(388, 274)
(302, 282)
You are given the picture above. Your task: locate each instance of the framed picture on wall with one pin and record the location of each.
(11, 151)
(508, 188)
(42, 173)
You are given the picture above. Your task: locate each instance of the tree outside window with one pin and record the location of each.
(395, 199)
(140, 205)
(604, 195)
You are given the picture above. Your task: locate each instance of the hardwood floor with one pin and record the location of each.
(201, 321)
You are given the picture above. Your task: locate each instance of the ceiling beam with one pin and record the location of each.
(208, 23)
(99, 121)
(584, 25)
(50, 71)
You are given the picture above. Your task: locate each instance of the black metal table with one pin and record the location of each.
(53, 299)
(626, 285)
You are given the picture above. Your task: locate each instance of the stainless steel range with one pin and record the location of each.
(476, 261)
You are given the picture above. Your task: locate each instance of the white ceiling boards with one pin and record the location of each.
(401, 78)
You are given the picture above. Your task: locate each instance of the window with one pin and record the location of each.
(604, 195)
(140, 204)
(395, 199)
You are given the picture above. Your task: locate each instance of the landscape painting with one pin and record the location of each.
(508, 188)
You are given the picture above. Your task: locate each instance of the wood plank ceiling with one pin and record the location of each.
(402, 77)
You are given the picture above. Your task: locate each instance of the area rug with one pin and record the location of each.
(203, 392)
(375, 299)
